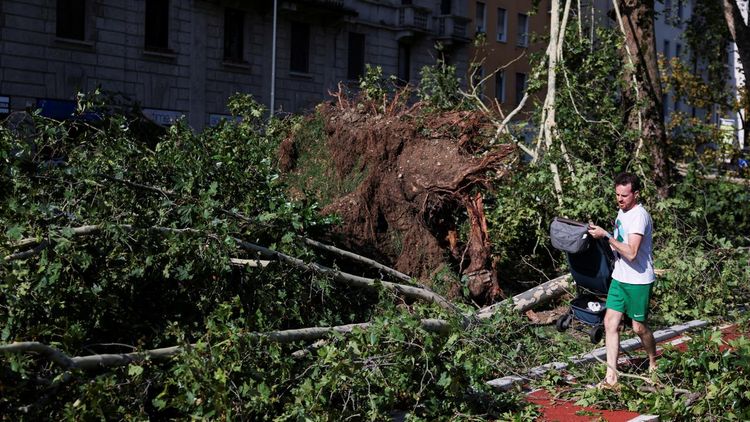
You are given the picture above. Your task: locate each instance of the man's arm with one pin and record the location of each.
(626, 250)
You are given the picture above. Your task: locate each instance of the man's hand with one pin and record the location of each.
(596, 232)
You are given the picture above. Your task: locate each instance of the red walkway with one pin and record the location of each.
(553, 409)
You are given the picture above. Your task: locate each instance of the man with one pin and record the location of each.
(633, 275)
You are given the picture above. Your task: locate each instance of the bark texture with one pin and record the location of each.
(739, 30)
(644, 102)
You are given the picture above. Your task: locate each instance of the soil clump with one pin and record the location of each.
(423, 177)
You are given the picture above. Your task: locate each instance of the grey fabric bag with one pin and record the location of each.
(568, 235)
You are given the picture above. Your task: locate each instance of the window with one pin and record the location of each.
(404, 63)
(71, 19)
(666, 49)
(523, 30)
(502, 24)
(234, 35)
(667, 9)
(678, 50)
(299, 56)
(680, 10)
(356, 65)
(445, 7)
(500, 86)
(520, 86)
(4, 106)
(480, 18)
(157, 25)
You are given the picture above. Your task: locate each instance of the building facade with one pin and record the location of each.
(186, 57)
(511, 31)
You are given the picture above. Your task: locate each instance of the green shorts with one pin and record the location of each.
(630, 299)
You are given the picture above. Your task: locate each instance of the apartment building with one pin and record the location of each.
(510, 29)
(669, 28)
(186, 57)
(672, 17)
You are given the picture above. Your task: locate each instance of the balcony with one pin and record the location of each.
(451, 29)
(411, 17)
(412, 21)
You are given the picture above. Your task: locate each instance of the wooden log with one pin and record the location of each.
(249, 262)
(531, 298)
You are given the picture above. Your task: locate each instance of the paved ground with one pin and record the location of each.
(553, 409)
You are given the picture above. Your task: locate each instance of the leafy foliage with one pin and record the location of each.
(439, 86)
(169, 209)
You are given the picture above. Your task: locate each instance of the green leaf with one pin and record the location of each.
(135, 370)
(14, 232)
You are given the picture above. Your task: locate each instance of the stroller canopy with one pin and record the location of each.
(591, 260)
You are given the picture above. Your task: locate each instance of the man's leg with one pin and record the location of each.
(647, 338)
(612, 342)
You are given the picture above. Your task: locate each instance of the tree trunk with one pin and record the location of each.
(739, 30)
(531, 298)
(482, 275)
(741, 36)
(644, 102)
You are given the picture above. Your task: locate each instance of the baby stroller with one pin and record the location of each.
(591, 262)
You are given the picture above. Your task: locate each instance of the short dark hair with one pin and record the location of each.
(631, 179)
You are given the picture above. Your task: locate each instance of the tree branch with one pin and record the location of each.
(372, 263)
(92, 362)
(346, 278)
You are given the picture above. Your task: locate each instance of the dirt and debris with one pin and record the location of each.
(424, 175)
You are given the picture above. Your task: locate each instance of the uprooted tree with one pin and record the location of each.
(422, 175)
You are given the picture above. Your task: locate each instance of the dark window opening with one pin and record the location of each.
(520, 87)
(299, 58)
(500, 86)
(234, 35)
(445, 7)
(71, 19)
(356, 65)
(157, 25)
(404, 63)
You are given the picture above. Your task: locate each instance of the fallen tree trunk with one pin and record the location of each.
(340, 276)
(535, 296)
(359, 258)
(98, 361)
(521, 303)
(351, 279)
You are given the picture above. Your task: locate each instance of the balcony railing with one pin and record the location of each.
(413, 18)
(450, 26)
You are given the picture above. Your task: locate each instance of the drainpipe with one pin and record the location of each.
(273, 60)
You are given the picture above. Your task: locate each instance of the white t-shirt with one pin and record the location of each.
(641, 269)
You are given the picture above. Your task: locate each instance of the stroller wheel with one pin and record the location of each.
(596, 333)
(563, 323)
